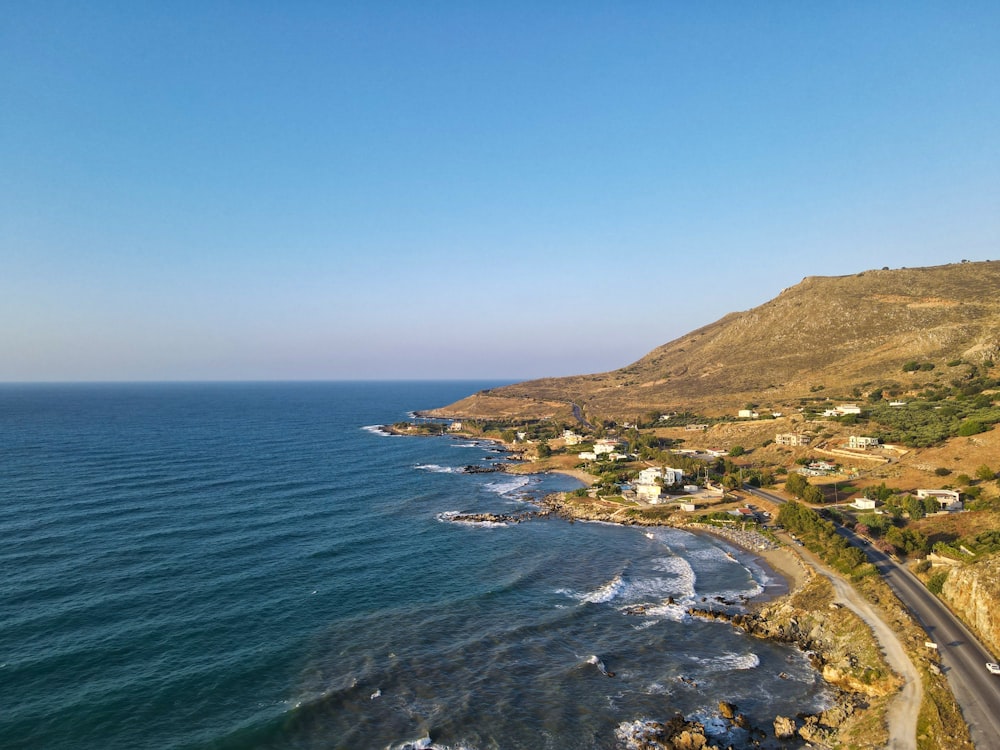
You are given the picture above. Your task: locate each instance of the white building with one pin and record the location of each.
(950, 500)
(857, 441)
(747, 414)
(863, 503)
(791, 439)
(572, 438)
(650, 483)
(606, 445)
(842, 410)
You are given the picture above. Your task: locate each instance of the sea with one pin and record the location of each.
(259, 565)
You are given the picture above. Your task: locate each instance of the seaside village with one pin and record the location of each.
(829, 457)
(917, 480)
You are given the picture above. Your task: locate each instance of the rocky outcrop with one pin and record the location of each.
(480, 469)
(504, 518)
(846, 655)
(973, 592)
(677, 733)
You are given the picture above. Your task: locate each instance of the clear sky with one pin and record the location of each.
(321, 190)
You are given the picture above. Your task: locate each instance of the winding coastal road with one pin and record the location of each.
(963, 657)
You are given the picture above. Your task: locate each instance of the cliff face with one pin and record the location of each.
(973, 592)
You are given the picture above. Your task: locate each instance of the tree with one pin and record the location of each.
(812, 495)
(971, 427)
(544, 451)
(796, 484)
(736, 451)
(936, 582)
(985, 473)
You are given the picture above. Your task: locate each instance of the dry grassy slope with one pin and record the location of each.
(838, 332)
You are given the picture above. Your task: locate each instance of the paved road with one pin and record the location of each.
(963, 657)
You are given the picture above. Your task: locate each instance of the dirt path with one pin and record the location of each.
(903, 710)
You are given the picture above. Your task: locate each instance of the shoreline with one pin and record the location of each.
(806, 615)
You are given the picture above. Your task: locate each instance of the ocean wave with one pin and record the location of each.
(638, 733)
(508, 486)
(684, 577)
(675, 612)
(425, 743)
(604, 593)
(729, 662)
(450, 516)
(437, 469)
(376, 429)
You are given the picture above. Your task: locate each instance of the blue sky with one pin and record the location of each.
(309, 190)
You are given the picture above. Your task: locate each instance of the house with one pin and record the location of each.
(455, 427)
(606, 445)
(747, 414)
(572, 438)
(949, 500)
(897, 403)
(842, 410)
(688, 507)
(587, 456)
(747, 514)
(791, 439)
(822, 466)
(650, 483)
(857, 441)
(863, 503)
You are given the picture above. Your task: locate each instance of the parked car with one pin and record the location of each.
(993, 668)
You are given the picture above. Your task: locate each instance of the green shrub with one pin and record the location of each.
(936, 582)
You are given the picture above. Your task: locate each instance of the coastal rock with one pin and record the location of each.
(497, 517)
(674, 734)
(784, 727)
(478, 469)
(727, 710)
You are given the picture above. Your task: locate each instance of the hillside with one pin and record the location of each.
(837, 336)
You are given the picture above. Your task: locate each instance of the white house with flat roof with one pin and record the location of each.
(859, 441)
(651, 481)
(949, 500)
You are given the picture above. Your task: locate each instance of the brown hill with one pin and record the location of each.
(828, 335)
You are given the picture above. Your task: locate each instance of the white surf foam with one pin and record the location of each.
(605, 593)
(684, 578)
(376, 429)
(729, 662)
(508, 486)
(449, 516)
(437, 469)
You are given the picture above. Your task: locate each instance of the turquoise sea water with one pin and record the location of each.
(256, 566)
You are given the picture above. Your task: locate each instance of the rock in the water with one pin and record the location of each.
(727, 709)
(784, 727)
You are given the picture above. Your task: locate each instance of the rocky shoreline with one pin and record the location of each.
(806, 617)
